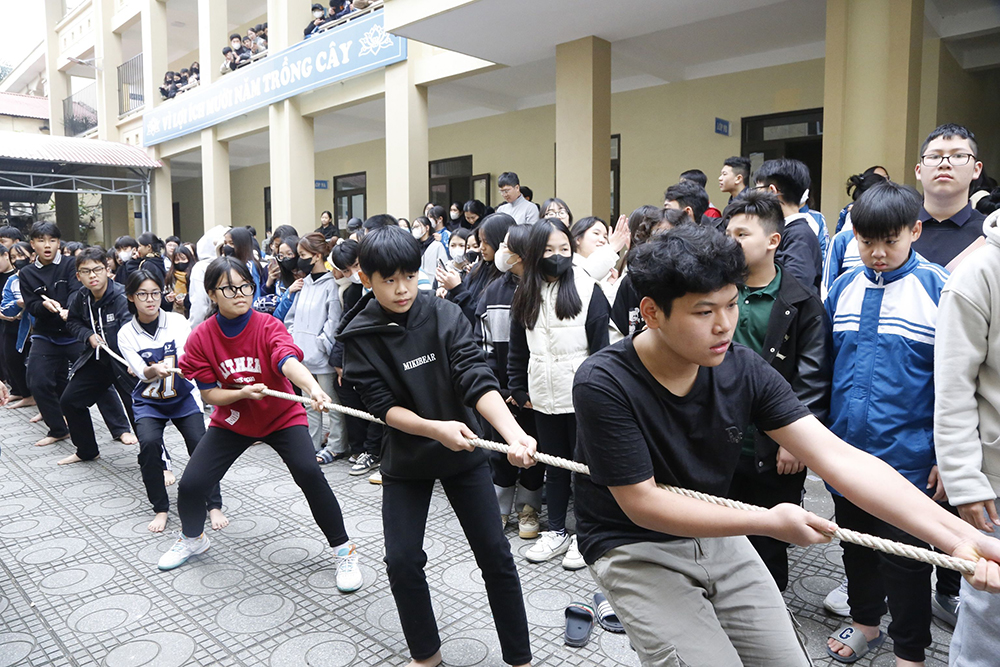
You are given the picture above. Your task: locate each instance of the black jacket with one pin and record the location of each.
(799, 253)
(104, 317)
(493, 313)
(796, 345)
(56, 280)
(468, 292)
(429, 365)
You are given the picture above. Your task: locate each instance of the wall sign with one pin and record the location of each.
(322, 185)
(350, 49)
(722, 127)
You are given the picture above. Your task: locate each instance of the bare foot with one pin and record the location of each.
(168, 478)
(870, 632)
(73, 458)
(49, 440)
(219, 520)
(23, 403)
(158, 523)
(37, 418)
(432, 661)
(128, 438)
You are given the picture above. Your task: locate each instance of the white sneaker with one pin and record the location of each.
(573, 560)
(183, 549)
(365, 463)
(836, 600)
(527, 523)
(348, 573)
(549, 545)
(376, 477)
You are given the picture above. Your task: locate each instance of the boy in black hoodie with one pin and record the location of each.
(96, 312)
(412, 358)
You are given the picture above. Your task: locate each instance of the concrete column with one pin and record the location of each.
(107, 58)
(161, 204)
(58, 81)
(215, 179)
(285, 19)
(293, 166)
(116, 214)
(154, 50)
(583, 125)
(213, 36)
(406, 142)
(871, 109)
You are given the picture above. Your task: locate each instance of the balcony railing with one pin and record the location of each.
(130, 94)
(80, 111)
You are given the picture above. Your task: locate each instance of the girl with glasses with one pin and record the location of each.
(233, 356)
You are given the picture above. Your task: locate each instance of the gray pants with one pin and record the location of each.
(337, 443)
(699, 602)
(976, 641)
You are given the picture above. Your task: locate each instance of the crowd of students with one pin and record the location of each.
(710, 356)
(323, 18)
(244, 50)
(175, 83)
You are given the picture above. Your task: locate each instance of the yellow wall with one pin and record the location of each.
(368, 157)
(246, 188)
(971, 99)
(19, 124)
(188, 194)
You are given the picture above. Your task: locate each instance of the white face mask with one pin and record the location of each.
(125, 255)
(318, 15)
(236, 46)
(418, 233)
(356, 278)
(501, 260)
(455, 216)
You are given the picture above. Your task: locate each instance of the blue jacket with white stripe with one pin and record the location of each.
(883, 328)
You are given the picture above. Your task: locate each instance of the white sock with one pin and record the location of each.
(345, 545)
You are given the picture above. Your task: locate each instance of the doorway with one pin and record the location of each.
(797, 135)
(450, 180)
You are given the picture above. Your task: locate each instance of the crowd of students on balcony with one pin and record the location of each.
(244, 50)
(323, 18)
(175, 83)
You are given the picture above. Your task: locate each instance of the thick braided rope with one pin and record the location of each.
(877, 543)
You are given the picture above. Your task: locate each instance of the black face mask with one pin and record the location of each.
(305, 266)
(228, 251)
(472, 257)
(21, 263)
(554, 266)
(180, 266)
(289, 263)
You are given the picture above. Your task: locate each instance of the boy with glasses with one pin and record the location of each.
(95, 314)
(515, 205)
(947, 167)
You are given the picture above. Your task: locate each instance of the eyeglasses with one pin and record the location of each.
(90, 272)
(956, 160)
(230, 291)
(506, 191)
(148, 296)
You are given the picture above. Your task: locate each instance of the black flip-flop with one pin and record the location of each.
(606, 615)
(579, 624)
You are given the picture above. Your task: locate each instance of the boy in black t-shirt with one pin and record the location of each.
(670, 405)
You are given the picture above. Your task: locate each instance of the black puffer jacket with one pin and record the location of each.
(104, 317)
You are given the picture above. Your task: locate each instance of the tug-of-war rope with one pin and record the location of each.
(843, 534)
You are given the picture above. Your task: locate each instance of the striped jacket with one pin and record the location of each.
(883, 327)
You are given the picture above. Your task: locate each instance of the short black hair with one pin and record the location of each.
(884, 210)
(436, 212)
(377, 221)
(316, 6)
(125, 241)
(344, 254)
(695, 175)
(388, 249)
(172, 238)
(220, 267)
(688, 193)
(12, 233)
(688, 259)
(236, 35)
(527, 192)
(226, 50)
(42, 228)
(947, 131)
(760, 204)
(508, 179)
(740, 166)
(92, 254)
(789, 177)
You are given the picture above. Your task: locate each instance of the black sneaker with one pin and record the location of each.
(366, 463)
(945, 608)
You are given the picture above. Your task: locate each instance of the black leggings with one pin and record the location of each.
(505, 474)
(149, 431)
(362, 435)
(556, 437)
(220, 448)
(14, 361)
(404, 519)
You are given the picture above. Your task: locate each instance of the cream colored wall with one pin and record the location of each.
(188, 193)
(368, 157)
(215, 59)
(971, 99)
(246, 188)
(19, 124)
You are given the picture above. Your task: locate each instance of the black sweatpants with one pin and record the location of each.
(404, 518)
(14, 361)
(556, 437)
(505, 474)
(220, 448)
(767, 489)
(362, 435)
(149, 431)
(48, 375)
(873, 577)
(96, 382)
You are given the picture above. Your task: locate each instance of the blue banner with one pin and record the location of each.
(350, 49)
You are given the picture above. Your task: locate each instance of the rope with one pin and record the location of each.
(125, 363)
(843, 534)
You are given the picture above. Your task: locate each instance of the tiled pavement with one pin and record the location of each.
(79, 586)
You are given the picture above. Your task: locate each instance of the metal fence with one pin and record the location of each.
(130, 93)
(80, 111)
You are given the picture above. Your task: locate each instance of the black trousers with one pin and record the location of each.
(96, 382)
(404, 518)
(362, 435)
(505, 474)
(768, 489)
(874, 577)
(556, 437)
(220, 448)
(14, 361)
(949, 582)
(149, 431)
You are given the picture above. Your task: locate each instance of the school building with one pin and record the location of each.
(599, 102)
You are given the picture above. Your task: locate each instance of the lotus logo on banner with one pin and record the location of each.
(351, 49)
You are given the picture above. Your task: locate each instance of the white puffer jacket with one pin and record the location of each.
(557, 348)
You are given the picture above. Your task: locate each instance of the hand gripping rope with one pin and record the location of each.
(879, 544)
